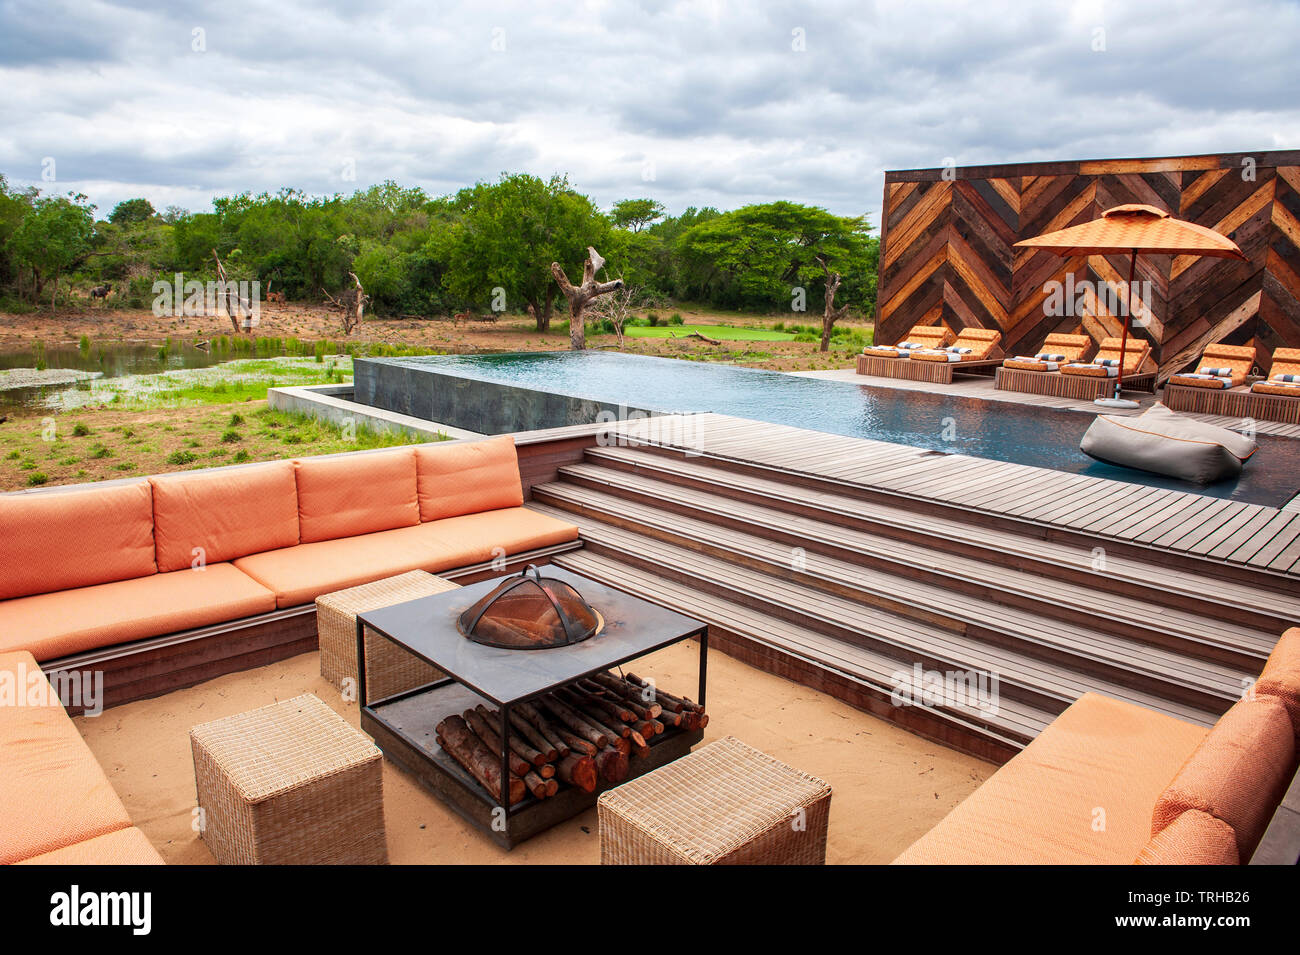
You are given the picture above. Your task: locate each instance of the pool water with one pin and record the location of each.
(1001, 430)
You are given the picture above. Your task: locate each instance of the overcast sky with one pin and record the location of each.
(706, 103)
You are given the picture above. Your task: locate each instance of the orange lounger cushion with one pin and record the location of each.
(298, 575)
(53, 793)
(1194, 838)
(55, 539)
(1237, 774)
(1281, 676)
(972, 344)
(352, 494)
(467, 477)
(87, 618)
(1276, 388)
(1080, 793)
(124, 847)
(224, 514)
(1136, 355)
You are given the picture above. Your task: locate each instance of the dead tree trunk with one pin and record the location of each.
(831, 314)
(352, 303)
(580, 295)
(241, 312)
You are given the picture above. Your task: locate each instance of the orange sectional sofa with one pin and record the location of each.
(56, 805)
(96, 566)
(1109, 782)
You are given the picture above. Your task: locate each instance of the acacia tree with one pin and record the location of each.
(636, 214)
(55, 235)
(504, 234)
(769, 254)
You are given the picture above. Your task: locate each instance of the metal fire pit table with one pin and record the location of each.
(404, 725)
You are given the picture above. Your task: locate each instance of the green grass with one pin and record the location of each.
(721, 332)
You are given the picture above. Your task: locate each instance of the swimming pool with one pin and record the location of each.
(494, 394)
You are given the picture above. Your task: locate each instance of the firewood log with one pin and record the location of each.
(639, 746)
(674, 703)
(535, 739)
(612, 765)
(459, 742)
(536, 785)
(566, 715)
(552, 787)
(578, 771)
(517, 745)
(578, 745)
(518, 765)
(544, 726)
(612, 708)
(646, 728)
(598, 719)
(631, 696)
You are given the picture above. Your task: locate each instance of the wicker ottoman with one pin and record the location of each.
(289, 784)
(724, 804)
(389, 668)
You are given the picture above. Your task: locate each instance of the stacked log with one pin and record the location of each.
(580, 735)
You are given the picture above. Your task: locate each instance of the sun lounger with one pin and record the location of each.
(1277, 398)
(972, 345)
(1221, 366)
(1283, 375)
(1057, 350)
(921, 336)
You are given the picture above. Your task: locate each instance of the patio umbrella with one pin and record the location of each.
(1133, 229)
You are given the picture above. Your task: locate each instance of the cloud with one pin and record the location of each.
(701, 103)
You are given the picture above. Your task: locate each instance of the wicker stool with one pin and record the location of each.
(289, 784)
(389, 668)
(724, 804)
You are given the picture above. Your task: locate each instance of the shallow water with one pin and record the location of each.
(110, 361)
(1004, 431)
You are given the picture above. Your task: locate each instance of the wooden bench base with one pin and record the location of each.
(1232, 403)
(940, 372)
(1056, 385)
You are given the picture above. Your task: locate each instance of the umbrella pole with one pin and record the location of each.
(1128, 314)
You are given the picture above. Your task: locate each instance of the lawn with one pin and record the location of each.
(729, 333)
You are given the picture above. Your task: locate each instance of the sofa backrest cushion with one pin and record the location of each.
(468, 477)
(227, 514)
(354, 494)
(1237, 774)
(58, 540)
(1281, 677)
(1194, 838)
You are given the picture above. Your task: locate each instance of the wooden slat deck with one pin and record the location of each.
(1262, 538)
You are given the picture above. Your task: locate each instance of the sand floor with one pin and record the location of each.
(889, 786)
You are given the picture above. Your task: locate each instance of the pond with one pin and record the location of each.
(114, 360)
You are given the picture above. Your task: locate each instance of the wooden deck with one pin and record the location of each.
(842, 563)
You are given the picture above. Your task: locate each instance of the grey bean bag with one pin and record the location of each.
(1160, 441)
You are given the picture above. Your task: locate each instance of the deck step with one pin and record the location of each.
(970, 595)
(872, 672)
(1150, 580)
(898, 567)
(1082, 663)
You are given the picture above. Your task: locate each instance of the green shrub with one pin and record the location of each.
(652, 318)
(230, 436)
(99, 451)
(236, 420)
(80, 430)
(676, 319)
(240, 456)
(181, 457)
(37, 479)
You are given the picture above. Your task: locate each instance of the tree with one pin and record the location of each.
(767, 255)
(636, 214)
(830, 312)
(503, 235)
(579, 296)
(53, 237)
(617, 307)
(130, 211)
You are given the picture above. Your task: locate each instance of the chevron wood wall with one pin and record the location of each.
(947, 251)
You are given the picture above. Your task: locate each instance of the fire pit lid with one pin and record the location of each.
(530, 612)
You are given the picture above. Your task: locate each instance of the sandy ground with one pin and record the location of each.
(510, 333)
(889, 786)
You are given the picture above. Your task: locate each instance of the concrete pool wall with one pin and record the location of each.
(487, 407)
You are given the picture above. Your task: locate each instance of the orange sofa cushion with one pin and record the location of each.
(1237, 774)
(228, 513)
(1281, 677)
(52, 791)
(86, 618)
(467, 477)
(298, 575)
(1042, 806)
(125, 847)
(352, 494)
(1194, 838)
(53, 540)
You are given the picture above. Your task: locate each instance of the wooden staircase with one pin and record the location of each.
(840, 588)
